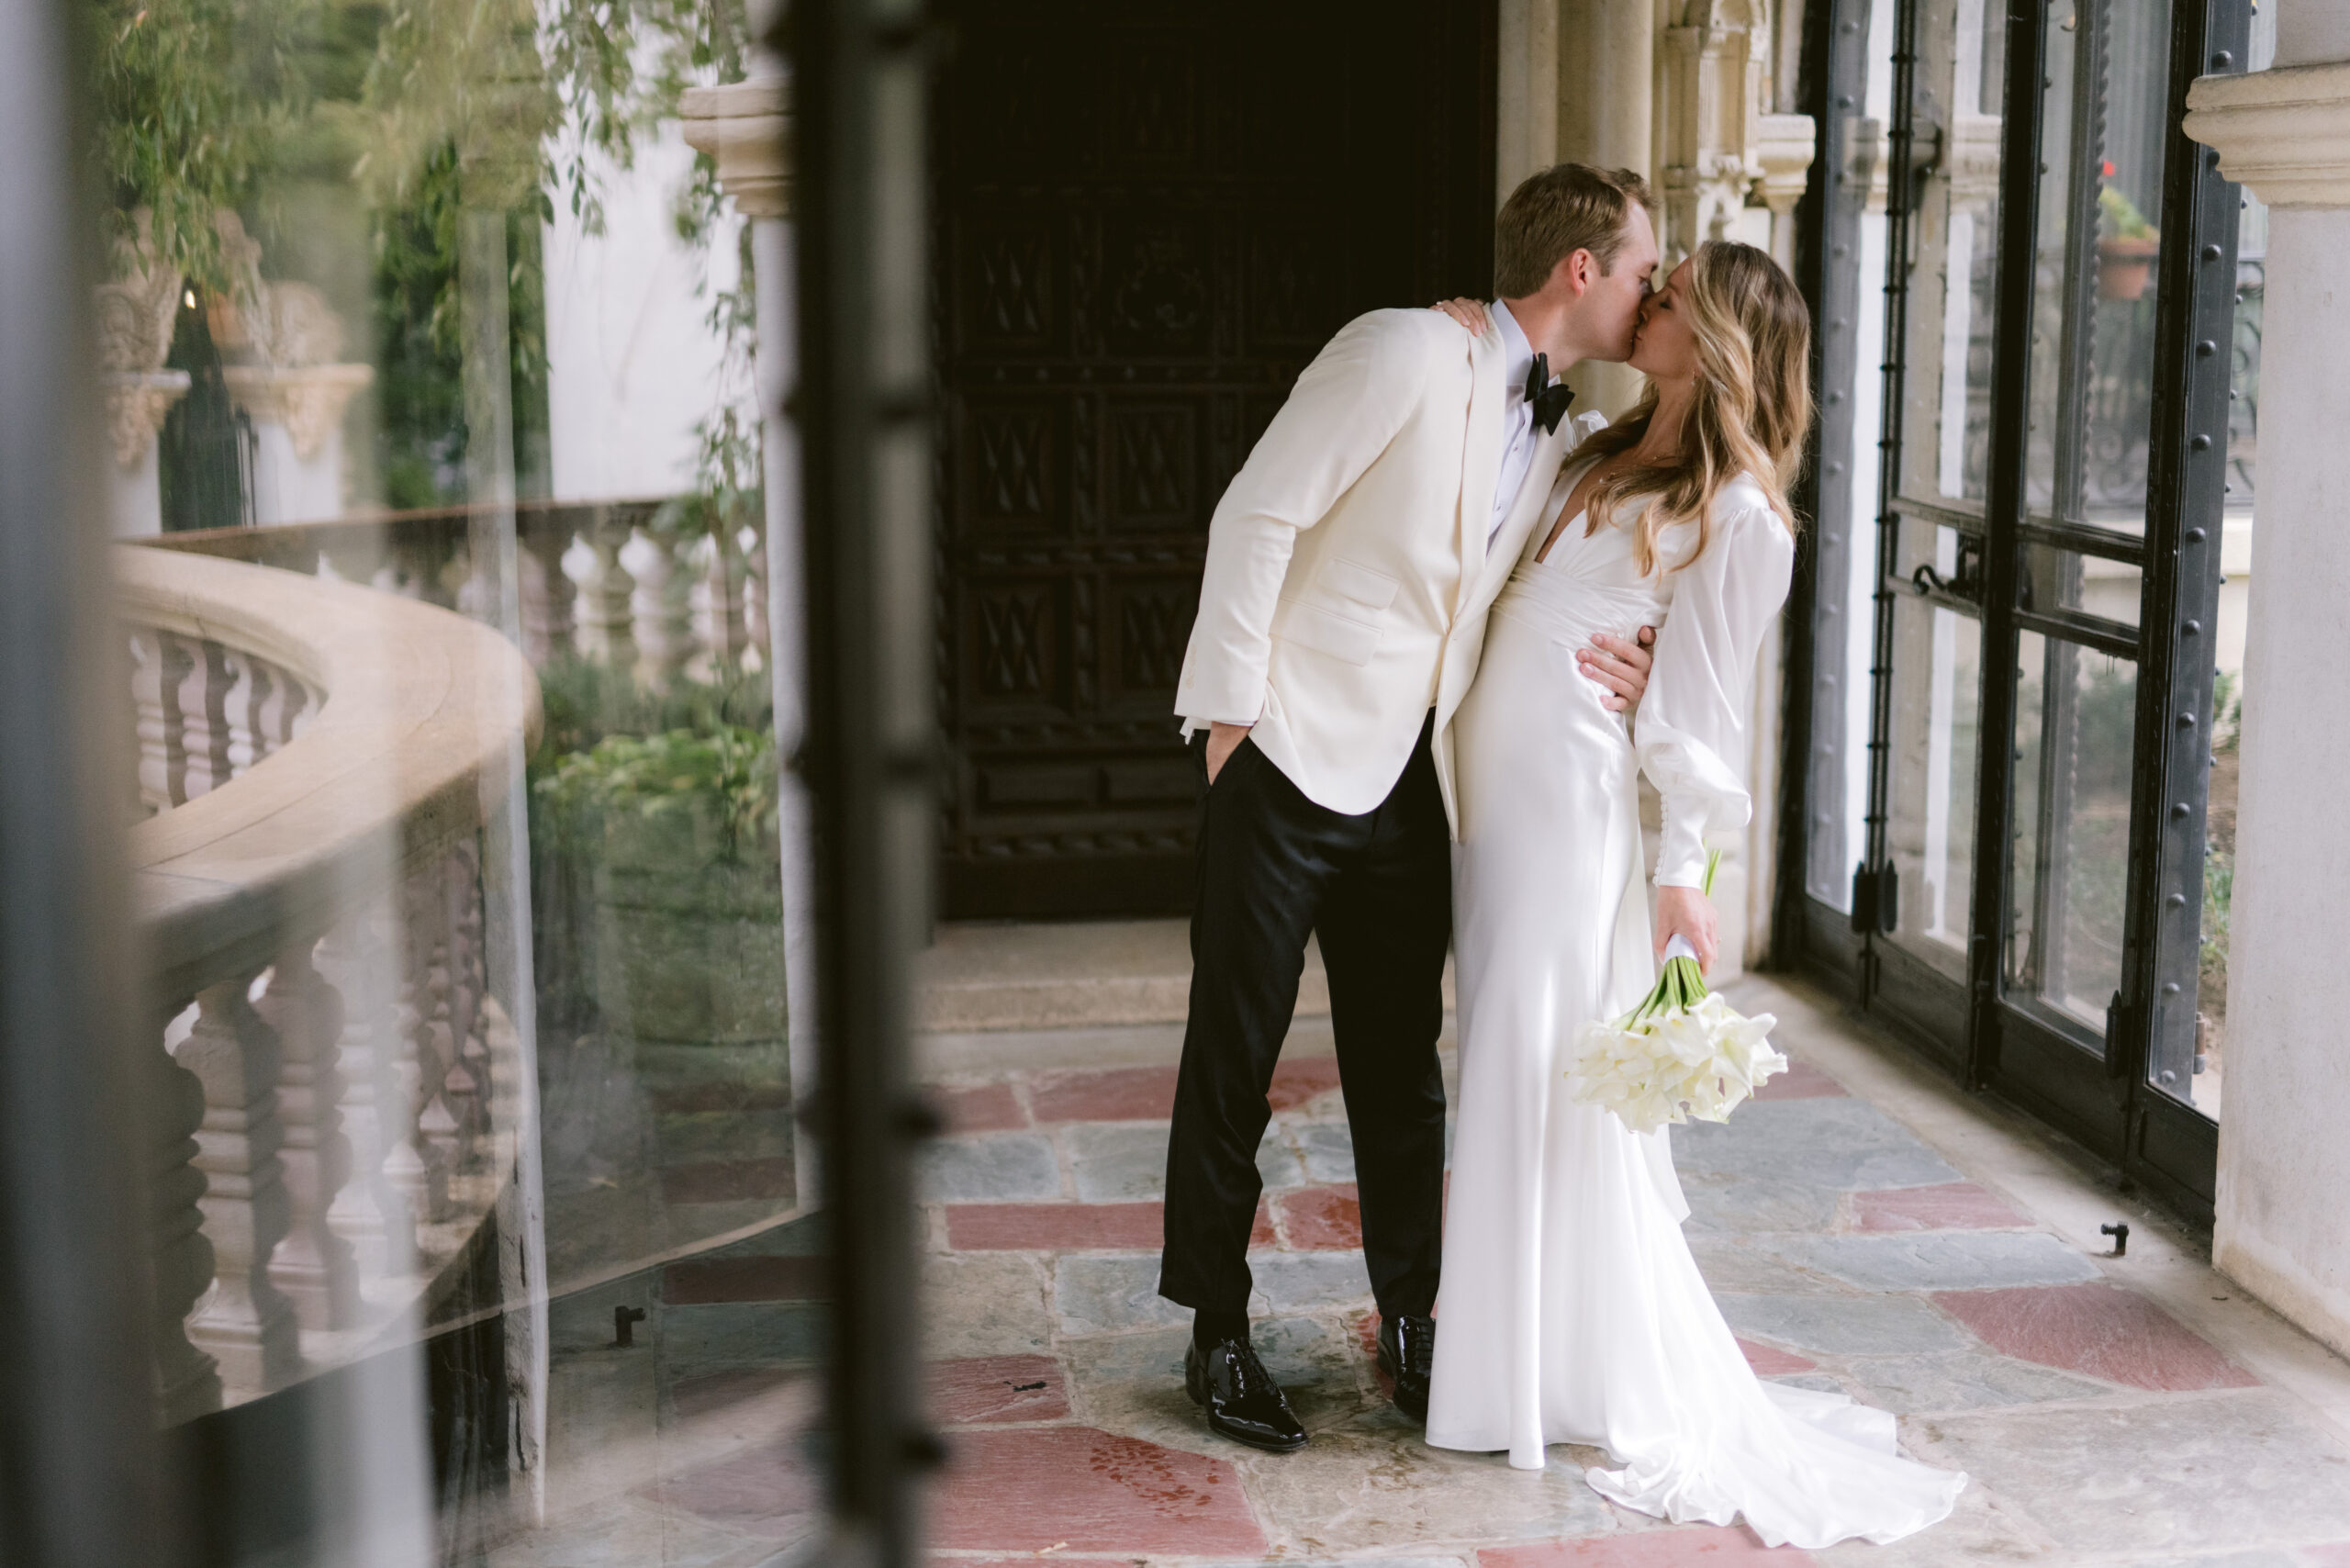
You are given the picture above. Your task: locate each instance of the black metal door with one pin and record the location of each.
(2060, 274)
(1149, 216)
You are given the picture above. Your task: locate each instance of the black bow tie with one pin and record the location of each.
(1549, 399)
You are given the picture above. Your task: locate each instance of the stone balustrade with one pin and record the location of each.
(337, 1078)
(604, 580)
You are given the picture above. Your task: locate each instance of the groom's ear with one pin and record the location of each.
(1575, 273)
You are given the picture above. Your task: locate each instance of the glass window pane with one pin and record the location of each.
(2093, 305)
(2064, 579)
(2076, 714)
(1946, 440)
(1936, 661)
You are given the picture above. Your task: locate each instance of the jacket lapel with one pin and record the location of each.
(1531, 504)
(1481, 455)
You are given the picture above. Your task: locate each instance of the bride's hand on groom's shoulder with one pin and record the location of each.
(1469, 313)
(1687, 911)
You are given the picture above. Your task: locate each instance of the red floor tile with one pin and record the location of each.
(1800, 1081)
(1069, 1228)
(1032, 1489)
(1053, 1228)
(2099, 1329)
(989, 1108)
(1768, 1363)
(726, 1180)
(1111, 1095)
(1296, 1082)
(1712, 1546)
(997, 1388)
(1323, 1219)
(1953, 1205)
(698, 1281)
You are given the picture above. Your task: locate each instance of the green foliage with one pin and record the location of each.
(726, 776)
(189, 95)
(2121, 219)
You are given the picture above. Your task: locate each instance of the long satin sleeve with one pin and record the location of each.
(1690, 731)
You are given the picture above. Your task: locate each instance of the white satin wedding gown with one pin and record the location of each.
(1572, 1310)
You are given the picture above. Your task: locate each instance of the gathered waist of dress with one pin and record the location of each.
(1573, 609)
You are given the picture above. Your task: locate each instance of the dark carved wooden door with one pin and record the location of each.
(1151, 214)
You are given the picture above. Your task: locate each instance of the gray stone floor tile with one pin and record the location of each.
(1834, 1142)
(1939, 1260)
(723, 1135)
(1328, 1149)
(1818, 1382)
(2254, 1558)
(1720, 1203)
(1125, 1162)
(806, 1237)
(1962, 1379)
(1358, 1488)
(983, 1304)
(2175, 1476)
(1291, 1281)
(1735, 1263)
(1107, 1294)
(1844, 1326)
(1003, 1168)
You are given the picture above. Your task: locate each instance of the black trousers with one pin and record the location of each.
(1377, 889)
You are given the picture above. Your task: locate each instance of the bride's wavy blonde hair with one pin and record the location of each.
(1752, 409)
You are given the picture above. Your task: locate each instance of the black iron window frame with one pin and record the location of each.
(2111, 1096)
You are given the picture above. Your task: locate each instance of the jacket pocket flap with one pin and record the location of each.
(1311, 626)
(1375, 591)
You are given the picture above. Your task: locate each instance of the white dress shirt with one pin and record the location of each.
(1518, 434)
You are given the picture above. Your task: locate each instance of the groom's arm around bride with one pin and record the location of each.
(1349, 566)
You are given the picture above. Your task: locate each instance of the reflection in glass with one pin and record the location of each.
(2053, 579)
(2075, 713)
(430, 344)
(2093, 304)
(1930, 817)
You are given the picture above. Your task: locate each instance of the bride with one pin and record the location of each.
(1572, 1310)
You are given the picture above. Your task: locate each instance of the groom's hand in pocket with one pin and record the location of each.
(1620, 665)
(1222, 741)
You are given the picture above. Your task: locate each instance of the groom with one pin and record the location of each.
(1349, 568)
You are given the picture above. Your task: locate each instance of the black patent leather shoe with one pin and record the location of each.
(1407, 1352)
(1241, 1399)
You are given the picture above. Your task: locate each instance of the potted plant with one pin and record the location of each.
(2126, 247)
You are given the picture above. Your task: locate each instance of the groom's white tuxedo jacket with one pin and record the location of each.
(1349, 572)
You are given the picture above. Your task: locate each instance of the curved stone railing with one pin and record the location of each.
(339, 1077)
(601, 579)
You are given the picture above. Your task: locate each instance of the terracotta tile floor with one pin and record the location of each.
(1847, 1250)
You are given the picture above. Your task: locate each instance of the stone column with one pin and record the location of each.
(746, 126)
(297, 428)
(2284, 1162)
(134, 316)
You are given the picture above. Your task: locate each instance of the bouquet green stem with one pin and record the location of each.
(1683, 983)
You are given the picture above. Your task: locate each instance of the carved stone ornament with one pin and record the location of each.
(136, 404)
(1783, 145)
(2284, 132)
(746, 126)
(308, 400)
(136, 311)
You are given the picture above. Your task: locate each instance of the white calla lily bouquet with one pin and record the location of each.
(1683, 1053)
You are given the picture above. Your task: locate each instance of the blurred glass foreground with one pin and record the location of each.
(431, 1179)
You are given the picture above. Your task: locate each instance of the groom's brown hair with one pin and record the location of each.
(1556, 212)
